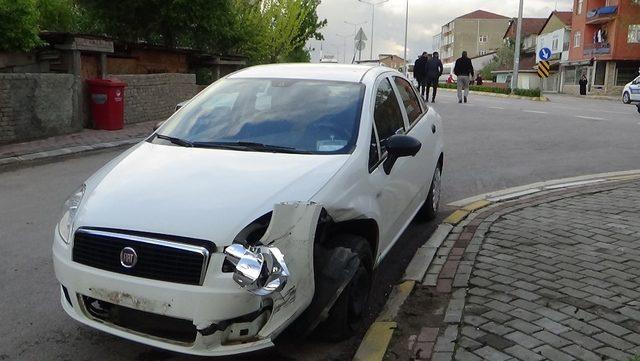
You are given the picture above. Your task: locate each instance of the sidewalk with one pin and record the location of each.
(85, 140)
(553, 275)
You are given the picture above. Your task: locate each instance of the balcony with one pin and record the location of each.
(602, 15)
(597, 49)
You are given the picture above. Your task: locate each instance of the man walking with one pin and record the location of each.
(464, 71)
(433, 70)
(418, 71)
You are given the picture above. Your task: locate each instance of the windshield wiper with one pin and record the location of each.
(260, 147)
(177, 141)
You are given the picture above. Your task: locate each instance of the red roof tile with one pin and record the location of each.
(529, 26)
(481, 14)
(564, 16)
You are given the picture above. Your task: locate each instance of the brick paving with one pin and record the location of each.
(546, 277)
(86, 137)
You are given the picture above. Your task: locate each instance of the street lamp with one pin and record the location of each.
(373, 5)
(344, 45)
(516, 55)
(355, 28)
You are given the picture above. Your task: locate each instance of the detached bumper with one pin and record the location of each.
(217, 301)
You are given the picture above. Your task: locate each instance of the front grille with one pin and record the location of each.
(147, 323)
(159, 257)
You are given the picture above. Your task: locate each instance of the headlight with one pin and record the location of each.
(69, 216)
(259, 270)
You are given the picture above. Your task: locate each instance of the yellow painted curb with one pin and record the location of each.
(406, 287)
(375, 342)
(476, 205)
(398, 295)
(457, 216)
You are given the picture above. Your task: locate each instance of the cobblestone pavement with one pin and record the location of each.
(548, 277)
(86, 137)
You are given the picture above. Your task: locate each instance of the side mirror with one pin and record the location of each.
(400, 145)
(158, 125)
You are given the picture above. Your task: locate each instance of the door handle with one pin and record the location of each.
(433, 128)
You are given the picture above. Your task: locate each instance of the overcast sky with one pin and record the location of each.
(425, 19)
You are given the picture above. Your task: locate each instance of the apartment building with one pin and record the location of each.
(479, 32)
(555, 35)
(604, 45)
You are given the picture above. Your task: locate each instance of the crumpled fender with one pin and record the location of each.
(292, 229)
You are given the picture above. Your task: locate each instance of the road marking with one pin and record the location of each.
(534, 111)
(501, 108)
(592, 118)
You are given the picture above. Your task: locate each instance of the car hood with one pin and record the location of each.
(200, 193)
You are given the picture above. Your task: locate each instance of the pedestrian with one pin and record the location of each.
(583, 84)
(479, 79)
(463, 69)
(418, 72)
(433, 70)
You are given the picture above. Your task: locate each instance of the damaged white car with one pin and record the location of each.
(266, 202)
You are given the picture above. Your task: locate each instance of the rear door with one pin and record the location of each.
(634, 89)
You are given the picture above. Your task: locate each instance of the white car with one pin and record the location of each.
(631, 91)
(269, 198)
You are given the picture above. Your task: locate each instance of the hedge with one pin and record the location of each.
(490, 89)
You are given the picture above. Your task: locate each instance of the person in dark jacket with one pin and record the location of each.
(463, 69)
(433, 70)
(583, 85)
(418, 72)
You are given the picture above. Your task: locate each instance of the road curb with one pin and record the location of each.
(55, 153)
(378, 337)
(498, 95)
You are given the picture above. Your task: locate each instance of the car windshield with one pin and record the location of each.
(276, 115)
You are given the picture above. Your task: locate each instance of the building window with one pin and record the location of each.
(554, 45)
(625, 73)
(579, 6)
(483, 38)
(577, 39)
(634, 34)
(483, 52)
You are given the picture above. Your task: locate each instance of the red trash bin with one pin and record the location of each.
(107, 103)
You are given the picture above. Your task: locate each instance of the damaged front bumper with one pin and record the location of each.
(213, 319)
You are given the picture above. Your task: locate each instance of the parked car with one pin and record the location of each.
(631, 91)
(265, 202)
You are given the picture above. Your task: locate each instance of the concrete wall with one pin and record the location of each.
(154, 96)
(37, 105)
(466, 36)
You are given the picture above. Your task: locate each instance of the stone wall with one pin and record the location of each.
(37, 105)
(154, 96)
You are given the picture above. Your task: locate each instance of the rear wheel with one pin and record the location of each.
(626, 98)
(430, 208)
(347, 314)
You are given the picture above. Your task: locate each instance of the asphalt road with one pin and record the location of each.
(491, 143)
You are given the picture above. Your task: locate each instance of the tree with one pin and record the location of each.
(57, 15)
(502, 60)
(18, 25)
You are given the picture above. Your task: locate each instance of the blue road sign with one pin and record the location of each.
(544, 54)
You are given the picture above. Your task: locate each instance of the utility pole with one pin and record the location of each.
(373, 18)
(355, 28)
(406, 27)
(516, 56)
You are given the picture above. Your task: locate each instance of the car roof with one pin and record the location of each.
(325, 71)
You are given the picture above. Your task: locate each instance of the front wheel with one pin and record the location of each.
(432, 203)
(348, 312)
(626, 98)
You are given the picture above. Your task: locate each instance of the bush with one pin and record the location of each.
(18, 25)
(492, 89)
(528, 92)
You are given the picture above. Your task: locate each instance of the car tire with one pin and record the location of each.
(626, 98)
(430, 207)
(348, 312)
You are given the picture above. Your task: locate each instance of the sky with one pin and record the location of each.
(425, 20)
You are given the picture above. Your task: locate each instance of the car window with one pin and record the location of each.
(387, 114)
(308, 116)
(409, 99)
(374, 155)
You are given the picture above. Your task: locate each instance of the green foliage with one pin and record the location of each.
(502, 60)
(300, 55)
(57, 15)
(18, 25)
(528, 93)
(492, 89)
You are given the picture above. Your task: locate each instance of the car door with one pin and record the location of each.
(634, 89)
(394, 191)
(418, 169)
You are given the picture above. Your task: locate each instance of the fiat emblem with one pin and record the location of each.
(128, 257)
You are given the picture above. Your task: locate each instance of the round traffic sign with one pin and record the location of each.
(544, 54)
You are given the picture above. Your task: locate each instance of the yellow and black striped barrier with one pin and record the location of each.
(544, 70)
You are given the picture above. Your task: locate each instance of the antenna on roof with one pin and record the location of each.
(556, 8)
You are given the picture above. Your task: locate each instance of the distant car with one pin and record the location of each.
(265, 202)
(631, 91)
